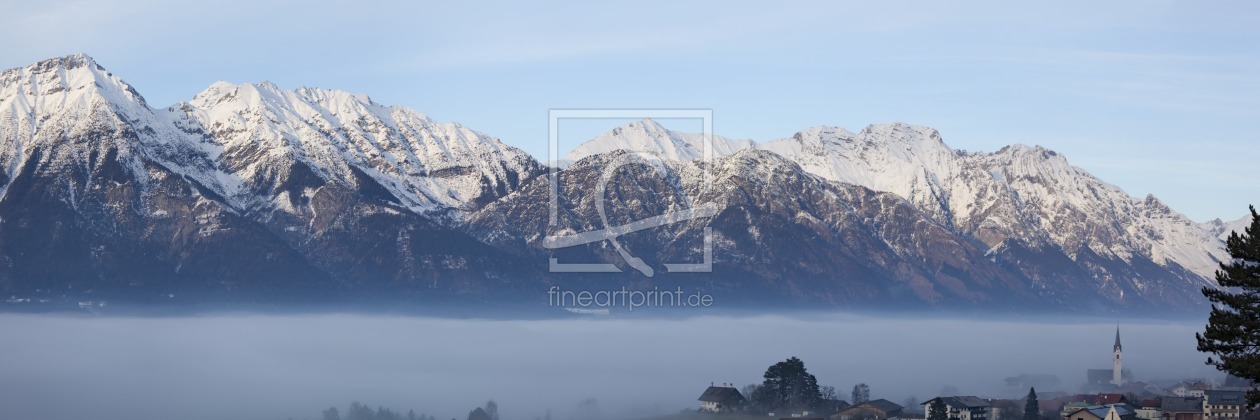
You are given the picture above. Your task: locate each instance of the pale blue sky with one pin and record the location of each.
(1157, 97)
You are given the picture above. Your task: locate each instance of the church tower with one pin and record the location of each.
(1115, 367)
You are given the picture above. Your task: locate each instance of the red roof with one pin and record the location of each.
(1100, 399)
(1104, 399)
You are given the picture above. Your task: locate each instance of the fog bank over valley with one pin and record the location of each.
(277, 367)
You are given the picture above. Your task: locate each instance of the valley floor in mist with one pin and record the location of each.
(279, 367)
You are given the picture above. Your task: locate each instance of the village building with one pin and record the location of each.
(1182, 408)
(830, 407)
(1223, 404)
(871, 410)
(1148, 409)
(1191, 389)
(722, 399)
(1104, 412)
(962, 408)
(1114, 377)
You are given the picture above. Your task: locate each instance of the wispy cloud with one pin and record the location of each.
(648, 28)
(655, 28)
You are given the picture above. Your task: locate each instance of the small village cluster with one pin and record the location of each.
(1113, 396)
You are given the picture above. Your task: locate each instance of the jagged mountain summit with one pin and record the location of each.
(649, 136)
(259, 129)
(1222, 229)
(1019, 192)
(248, 193)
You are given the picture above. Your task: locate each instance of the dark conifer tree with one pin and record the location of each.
(1233, 329)
(789, 386)
(937, 410)
(1031, 410)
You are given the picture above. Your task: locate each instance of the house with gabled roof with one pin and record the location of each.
(1181, 408)
(1221, 404)
(722, 399)
(829, 407)
(871, 410)
(1148, 409)
(1104, 412)
(961, 408)
(1191, 388)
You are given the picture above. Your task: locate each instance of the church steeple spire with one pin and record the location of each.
(1117, 372)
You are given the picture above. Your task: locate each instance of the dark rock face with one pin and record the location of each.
(781, 236)
(94, 231)
(91, 229)
(785, 237)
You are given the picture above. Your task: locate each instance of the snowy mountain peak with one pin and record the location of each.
(646, 126)
(66, 63)
(902, 132)
(1036, 152)
(899, 141)
(1223, 229)
(908, 160)
(304, 101)
(825, 132)
(65, 81)
(429, 166)
(649, 136)
(644, 136)
(246, 141)
(69, 97)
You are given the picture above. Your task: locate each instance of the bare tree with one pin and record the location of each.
(861, 393)
(828, 393)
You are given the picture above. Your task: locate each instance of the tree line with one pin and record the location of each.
(360, 411)
(788, 386)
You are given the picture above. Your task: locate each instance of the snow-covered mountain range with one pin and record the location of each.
(244, 191)
(254, 193)
(1022, 193)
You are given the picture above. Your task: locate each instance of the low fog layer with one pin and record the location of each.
(277, 367)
